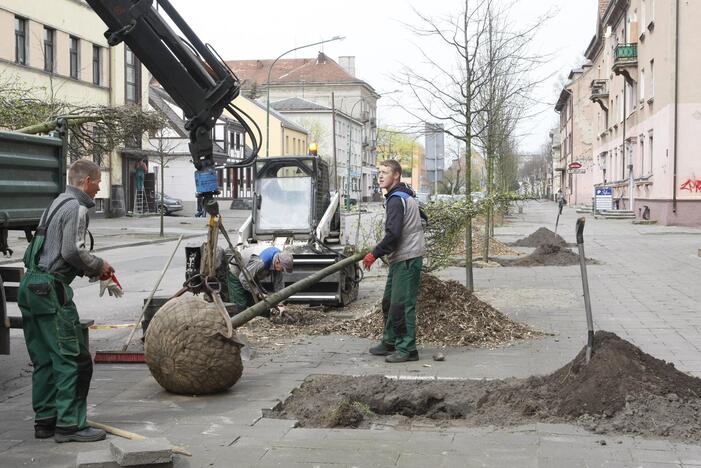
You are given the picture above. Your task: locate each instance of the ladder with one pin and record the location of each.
(141, 203)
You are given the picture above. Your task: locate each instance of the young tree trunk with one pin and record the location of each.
(163, 208)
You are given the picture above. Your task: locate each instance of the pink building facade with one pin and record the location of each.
(645, 124)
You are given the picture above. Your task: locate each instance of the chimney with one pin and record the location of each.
(602, 7)
(347, 62)
(321, 58)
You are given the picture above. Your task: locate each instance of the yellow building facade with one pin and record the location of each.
(286, 137)
(57, 49)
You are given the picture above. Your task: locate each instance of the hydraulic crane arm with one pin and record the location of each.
(190, 72)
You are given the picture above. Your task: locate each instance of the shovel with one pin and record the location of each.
(585, 287)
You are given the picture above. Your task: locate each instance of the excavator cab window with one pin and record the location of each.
(285, 200)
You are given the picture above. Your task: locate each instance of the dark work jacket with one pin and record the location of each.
(404, 235)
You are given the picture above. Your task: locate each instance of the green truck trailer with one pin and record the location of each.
(32, 174)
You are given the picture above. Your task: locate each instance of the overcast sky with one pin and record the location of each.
(376, 36)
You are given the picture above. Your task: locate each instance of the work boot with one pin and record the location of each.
(400, 357)
(44, 428)
(382, 349)
(89, 434)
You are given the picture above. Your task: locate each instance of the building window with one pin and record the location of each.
(132, 80)
(641, 170)
(96, 64)
(20, 40)
(49, 40)
(74, 54)
(652, 78)
(650, 142)
(642, 84)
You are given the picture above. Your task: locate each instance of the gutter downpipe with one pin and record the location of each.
(625, 119)
(676, 108)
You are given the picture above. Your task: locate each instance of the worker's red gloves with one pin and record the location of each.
(369, 260)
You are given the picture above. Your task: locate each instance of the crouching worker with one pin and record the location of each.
(271, 262)
(404, 246)
(52, 331)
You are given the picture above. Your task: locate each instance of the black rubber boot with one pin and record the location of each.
(399, 357)
(382, 349)
(45, 428)
(89, 434)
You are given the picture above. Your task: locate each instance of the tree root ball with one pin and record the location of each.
(186, 349)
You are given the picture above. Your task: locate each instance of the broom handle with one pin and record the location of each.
(131, 436)
(148, 301)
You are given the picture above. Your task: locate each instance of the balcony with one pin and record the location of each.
(626, 58)
(600, 93)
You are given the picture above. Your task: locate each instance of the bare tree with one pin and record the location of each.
(448, 92)
(91, 129)
(510, 81)
(164, 148)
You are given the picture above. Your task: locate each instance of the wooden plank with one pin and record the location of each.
(11, 274)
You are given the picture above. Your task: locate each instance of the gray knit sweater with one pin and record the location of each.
(64, 248)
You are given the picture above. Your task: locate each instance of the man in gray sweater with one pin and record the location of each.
(404, 247)
(52, 331)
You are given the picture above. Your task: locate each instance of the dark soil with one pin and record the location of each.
(541, 236)
(545, 255)
(446, 315)
(621, 390)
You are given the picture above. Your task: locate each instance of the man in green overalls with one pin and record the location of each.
(404, 247)
(52, 331)
(271, 262)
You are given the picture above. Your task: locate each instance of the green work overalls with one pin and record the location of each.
(52, 332)
(399, 304)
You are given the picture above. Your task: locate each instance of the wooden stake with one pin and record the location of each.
(132, 436)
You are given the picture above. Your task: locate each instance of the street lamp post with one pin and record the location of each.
(267, 106)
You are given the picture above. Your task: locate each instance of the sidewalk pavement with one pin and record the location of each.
(645, 290)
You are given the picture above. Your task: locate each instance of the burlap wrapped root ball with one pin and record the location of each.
(186, 350)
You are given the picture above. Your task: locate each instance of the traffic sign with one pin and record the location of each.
(574, 165)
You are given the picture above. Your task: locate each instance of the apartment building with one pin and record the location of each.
(347, 165)
(322, 80)
(58, 50)
(574, 170)
(642, 73)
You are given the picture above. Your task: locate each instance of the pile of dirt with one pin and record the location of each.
(540, 237)
(545, 255)
(447, 315)
(621, 390)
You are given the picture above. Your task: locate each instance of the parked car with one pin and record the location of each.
(170, 204)
(423, 197)
(478, 196)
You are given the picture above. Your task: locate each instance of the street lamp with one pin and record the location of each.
(267, 106)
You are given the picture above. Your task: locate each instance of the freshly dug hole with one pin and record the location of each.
(541, 236)
(622, 390)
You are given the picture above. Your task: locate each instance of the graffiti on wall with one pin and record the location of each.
(692, 185)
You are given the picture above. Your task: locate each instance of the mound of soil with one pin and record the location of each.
(541, 236)
(446, 315)
(621, 390)
(545, 255)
